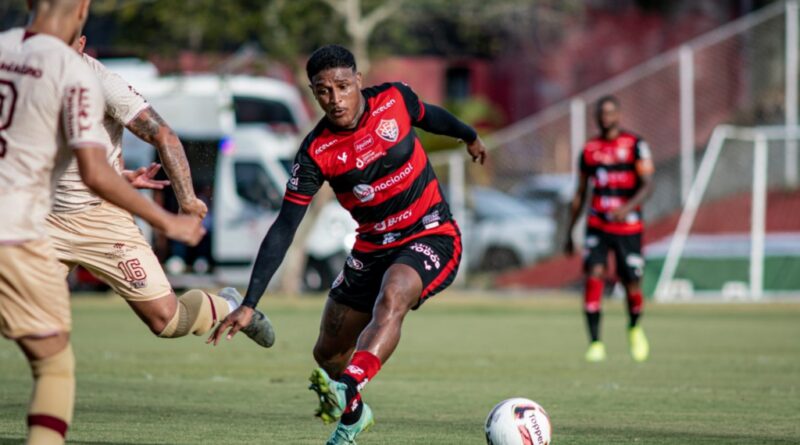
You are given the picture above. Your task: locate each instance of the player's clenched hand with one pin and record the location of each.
(236, 320)
(142, 177)
(195, 207)
(185, 228)
(477, 150)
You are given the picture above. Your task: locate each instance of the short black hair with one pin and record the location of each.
(606, 99)
(327, 57)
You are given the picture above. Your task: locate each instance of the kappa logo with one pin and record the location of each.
(342, 157)
(364, 143)
(388, 130)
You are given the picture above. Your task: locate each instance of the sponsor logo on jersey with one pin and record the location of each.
(388, 130)
(294, 181)
(390, 237)
(342, 157)
(431, 220)
(383, 107)
(428, 252)
(338, 281)
(392, 221)
(353, 263)
(364, 143)
(364, 192)
(368, 158)
(325, 146)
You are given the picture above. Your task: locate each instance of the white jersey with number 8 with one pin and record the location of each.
(50, 102)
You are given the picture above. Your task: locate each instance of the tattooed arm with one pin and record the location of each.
(151, 128)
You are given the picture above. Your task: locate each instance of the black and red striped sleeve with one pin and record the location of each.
(414, 106)
(306, 179)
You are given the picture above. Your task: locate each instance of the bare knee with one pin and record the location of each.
(157, 314)
(394, 303)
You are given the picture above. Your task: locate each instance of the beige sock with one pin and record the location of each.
(197, 313)
(53, 398)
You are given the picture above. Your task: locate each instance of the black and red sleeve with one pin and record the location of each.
(306, 179)
(434, 119)
(305, 182)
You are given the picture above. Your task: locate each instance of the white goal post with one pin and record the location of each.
(667, 287)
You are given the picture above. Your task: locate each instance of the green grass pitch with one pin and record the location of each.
(717, 374)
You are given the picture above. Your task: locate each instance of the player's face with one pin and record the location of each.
(338, 92)
(608, 116)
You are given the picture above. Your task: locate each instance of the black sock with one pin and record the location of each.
(352, 417)
(351, 391)
(593, 322)
(633, 319)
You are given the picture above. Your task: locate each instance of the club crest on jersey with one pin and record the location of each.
(388, 130)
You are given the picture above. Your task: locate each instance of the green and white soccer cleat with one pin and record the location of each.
(346, 434)
(332, 395)
(260, 329)
(596, 352)
(640, 348)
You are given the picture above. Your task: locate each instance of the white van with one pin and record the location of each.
(240, 134)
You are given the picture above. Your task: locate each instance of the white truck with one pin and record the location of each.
(240, 134)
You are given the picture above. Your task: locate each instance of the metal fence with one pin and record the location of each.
(743, 73)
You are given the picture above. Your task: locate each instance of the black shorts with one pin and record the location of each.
(627, 252)
(435, 258)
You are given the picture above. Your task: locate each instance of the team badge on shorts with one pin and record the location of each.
(388, 130)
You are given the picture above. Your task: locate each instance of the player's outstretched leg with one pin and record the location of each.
(639, 346)
(592, 308)
(196, 312)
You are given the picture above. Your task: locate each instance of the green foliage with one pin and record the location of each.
(477, 111)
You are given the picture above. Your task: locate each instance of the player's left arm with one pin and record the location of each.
(150, 127)
(437, 120)
(644, 171)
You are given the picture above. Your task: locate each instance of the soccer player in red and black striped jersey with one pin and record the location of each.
(619, 168)
(408, 246)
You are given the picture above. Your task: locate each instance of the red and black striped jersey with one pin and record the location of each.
(611, 166)
(379, 171)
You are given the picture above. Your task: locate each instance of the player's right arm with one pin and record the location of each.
(303, 185)
(576, 208)
(83, 108)
(104, 181)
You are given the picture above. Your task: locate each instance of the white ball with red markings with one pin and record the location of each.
(518, 422)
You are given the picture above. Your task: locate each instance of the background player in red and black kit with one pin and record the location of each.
(408, 246)
(618, 165)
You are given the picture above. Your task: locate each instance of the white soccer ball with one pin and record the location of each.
(518, 422)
